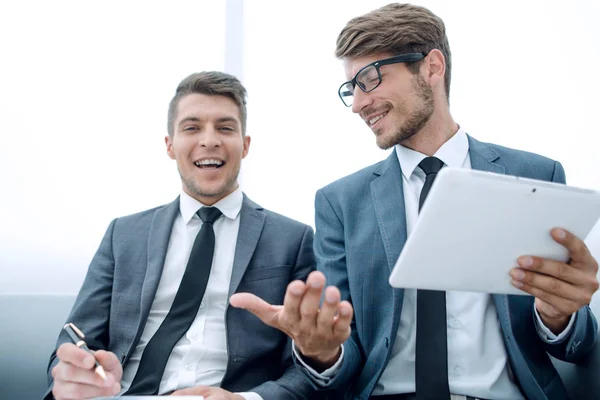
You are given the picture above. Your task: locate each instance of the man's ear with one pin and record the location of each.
(169, 144)
(435, 65)
(246, 149)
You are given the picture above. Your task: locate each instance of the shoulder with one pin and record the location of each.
(282, 220)
(354, 182)
(145, 218)
(510, 153)
(149, 213)
(273, 218)
(519, 162)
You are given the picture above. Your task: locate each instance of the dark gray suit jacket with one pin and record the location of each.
(116, 296)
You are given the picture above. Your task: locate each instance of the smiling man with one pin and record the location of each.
(395, 344)
(154, 304)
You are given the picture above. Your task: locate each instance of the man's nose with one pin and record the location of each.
(360, 100)
(210, 138)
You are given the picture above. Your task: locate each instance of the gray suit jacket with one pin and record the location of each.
(360, 231)
(116, 296)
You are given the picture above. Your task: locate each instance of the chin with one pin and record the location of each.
(203, 190)
(384, 142)
(211, 191)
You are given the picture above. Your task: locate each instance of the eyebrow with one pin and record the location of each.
(219, 120)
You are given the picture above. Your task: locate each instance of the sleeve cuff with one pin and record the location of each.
(250, 396)
(546, 334)
(324, 377)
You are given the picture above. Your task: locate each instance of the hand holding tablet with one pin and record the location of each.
(474, 226)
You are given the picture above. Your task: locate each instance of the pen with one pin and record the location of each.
(77, 338)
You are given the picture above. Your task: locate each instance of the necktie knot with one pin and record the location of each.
(209, 214)
(431, 165)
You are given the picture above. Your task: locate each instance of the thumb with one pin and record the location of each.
(110, 363)
(193, 391)
(107, 359)
(266, 312)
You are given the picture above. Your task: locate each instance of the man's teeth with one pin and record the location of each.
(377, 118)
(209, 162)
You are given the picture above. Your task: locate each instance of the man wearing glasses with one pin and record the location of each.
(388, 343)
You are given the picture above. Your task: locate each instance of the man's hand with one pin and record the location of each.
(209, 393)
(317, 333)
(560, 289)
(74, 377)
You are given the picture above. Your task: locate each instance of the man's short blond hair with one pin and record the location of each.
(398, 29)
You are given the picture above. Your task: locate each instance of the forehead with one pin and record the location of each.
(353, 65)
(205, 106)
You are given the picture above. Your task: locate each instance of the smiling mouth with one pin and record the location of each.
(374, 120)
(209, 163)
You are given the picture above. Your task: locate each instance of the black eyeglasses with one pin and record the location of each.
(369, 76)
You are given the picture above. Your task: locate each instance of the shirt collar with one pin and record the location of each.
(229, 205)
(452, 153)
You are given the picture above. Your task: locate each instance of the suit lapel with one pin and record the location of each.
(252, 220)
(158, 242)
(388, 200)
(483, 157)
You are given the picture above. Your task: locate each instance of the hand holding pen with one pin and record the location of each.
(76, 337)
(81, 373)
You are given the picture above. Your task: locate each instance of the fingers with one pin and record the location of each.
(563, 287)
(110, 362)
(530, 266)
(335, 316)
(563, 306)
(66, 372)
(578, 251)
(318, 330)
(309, 306)
(266, 312)
(566, 286)
(208, 392)
(71, 390)
(548, 287)
(193, 391)
(329, 310)
(291, 303)
(74, 376)
(341, 326)
(71, 382)
(72, 354)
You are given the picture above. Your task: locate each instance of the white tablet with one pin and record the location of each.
(474, 225)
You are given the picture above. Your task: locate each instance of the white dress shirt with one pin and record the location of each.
(200, 356)
(477, 361)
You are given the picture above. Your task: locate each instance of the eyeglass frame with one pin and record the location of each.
(402, 58)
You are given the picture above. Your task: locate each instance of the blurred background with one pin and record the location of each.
(84, 90)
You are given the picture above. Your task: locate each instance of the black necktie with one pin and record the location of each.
(431, 357)
(183, 311)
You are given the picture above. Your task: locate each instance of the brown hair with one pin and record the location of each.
(398, 29)
(212, 83)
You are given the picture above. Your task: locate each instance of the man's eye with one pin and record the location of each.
(227, 128)
(190, 128)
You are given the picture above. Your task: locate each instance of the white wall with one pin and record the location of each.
(84, 93)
